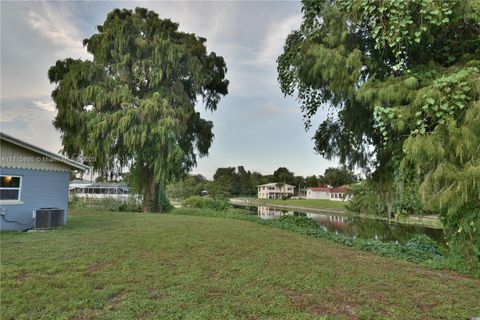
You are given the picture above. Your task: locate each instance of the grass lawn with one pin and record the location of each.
(307, 203)
(142, 266)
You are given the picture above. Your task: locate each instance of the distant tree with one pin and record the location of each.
(243, 181)
(282, 174)
(225, 182)
(280, 186)
(256, 179)
(134, 104)
(311, 181)
(191, 185)
(299, 183)
(338, 177)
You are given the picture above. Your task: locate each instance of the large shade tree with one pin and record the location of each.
(338, 176)
(403, 81)
(134, 105)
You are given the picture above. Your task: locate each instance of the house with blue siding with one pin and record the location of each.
(31, 178)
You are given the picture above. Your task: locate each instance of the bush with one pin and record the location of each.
(299, 221)
(132, 205)
(218, 204)
(423, 246)
(107, 204)
(462, 230)
(75, 202)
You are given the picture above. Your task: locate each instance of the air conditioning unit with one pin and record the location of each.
(48, 218)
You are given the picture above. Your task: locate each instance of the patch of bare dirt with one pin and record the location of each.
(116, 301)
(155, 295)
(334, 302)
(89, 315)
(100, 266)
(21, 278)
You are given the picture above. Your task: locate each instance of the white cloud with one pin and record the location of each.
(45, 105)
(274, 40)
(54, 23)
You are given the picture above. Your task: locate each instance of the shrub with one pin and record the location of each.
(218, 204)
(75, 202)
(132, 205)
(423, 246)
(107, 204)
(299, 221)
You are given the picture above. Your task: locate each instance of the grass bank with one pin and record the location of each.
(107, 265)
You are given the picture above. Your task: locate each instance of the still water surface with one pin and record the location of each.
(352, 226)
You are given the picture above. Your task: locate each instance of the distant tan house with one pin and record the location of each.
(273, 191)
(334, 194)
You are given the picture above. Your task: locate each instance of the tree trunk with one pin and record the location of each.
(151, 194)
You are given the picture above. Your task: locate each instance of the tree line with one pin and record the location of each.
(237, 181)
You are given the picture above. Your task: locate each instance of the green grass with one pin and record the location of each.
(306, 203)
(108, 265)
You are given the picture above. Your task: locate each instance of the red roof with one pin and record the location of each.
(318, 189)
(339, 190)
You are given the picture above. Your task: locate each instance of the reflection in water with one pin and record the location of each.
(355, 226)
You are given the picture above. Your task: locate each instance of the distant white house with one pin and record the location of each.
(275, 190)
(334, 194)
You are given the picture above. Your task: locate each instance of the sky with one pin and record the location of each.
(254, 125)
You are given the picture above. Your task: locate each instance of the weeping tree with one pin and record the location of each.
(402, 81)
(133, 105)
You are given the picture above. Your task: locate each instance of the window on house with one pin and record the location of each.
(10, 187)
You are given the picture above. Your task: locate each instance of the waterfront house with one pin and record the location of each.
(32, 179)
(275, 190)
(334, 194)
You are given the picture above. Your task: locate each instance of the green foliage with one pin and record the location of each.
(107, 204)
(191, 185)
(402, 78)
(299, 221)
(283, 175)
(134, 104)
(423, 246)
(464, 236)
(367, 199)
(219, 204)
(312, 181)
(337, 177)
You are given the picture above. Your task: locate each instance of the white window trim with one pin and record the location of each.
(13, 201)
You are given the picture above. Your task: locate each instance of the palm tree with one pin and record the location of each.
(280, 185)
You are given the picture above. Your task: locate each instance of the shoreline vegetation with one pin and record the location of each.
(327, 206)
(420, 249)
(203, 263)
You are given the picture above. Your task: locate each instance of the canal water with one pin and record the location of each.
(357, 227)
